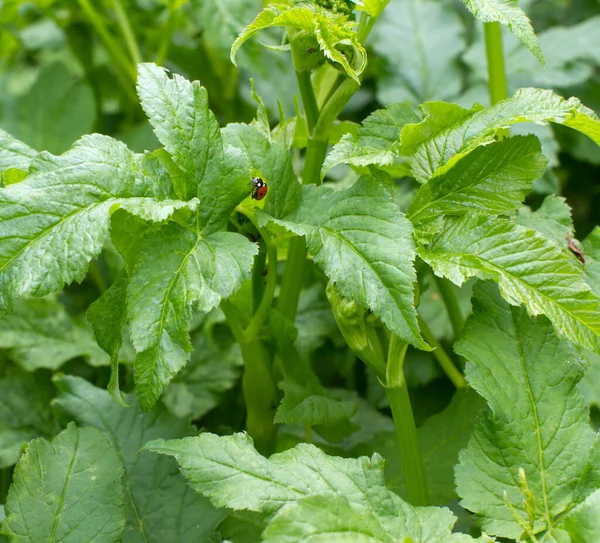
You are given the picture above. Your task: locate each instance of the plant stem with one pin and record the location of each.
(495, 60)
(442, 357)
(125, 70)
(451, 303)
(167, 34)
(307, 93)
(258, 277)
(291, 283)
(97, 277)
(127, 31)
(406, 430)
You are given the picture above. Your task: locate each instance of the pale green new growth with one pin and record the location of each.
(332, 32)
(508, 13)
(67, 490)
(528, 458)
(529, 270)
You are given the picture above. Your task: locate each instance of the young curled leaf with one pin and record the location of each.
(333, 32)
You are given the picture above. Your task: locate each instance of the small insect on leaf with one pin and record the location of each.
(259, 188)
(576, 249)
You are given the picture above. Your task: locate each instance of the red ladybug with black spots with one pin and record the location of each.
(259, 188)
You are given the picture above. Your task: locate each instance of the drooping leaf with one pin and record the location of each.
(14, 153)
(375, 143)
(176, 269)
(508, 13)
(530, 451)
(421, 42)
(582, 523)
(152, 482)
(24, 412)
(529, 270)
(330, 29)
(56, 220)
(41, 334)
(67, 490)
(447, 133)
(230, 472)
(364, 244)
(53, 113)
(493, 179)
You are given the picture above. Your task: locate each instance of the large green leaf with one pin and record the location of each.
(332, 31)
(230, 472)
(364, 244)
(507, 12)
(447, 132)
(152, 483)
(531, 452)
(67, 490)
(56, 220)
(582, 523)
(529, 270)
(420, 42)
(591, 247)
(41, 334)
(375, 143)
(552, 219)
(176, 269)
(53, 113)
(493, 179)
(24, 412)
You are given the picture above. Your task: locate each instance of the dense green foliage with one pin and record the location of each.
(399, 343)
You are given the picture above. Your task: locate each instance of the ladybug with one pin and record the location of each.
(259, 188)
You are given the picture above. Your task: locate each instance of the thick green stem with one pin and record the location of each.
(291, 283)
(125, 70)
(406, 430)
(309, 101)
(128, 35)
(258, 277)
(260, 395)
(495, 60)
(442, 357)
(451, 303)
(316, 150)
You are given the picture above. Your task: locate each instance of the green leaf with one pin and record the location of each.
(373, 7)
(14, 153)
(331, 30)
(539, 422)
(24, 412)
(528, 269)
(56, 220)
(302, 405)
(493, 179)
(222, 20)
(364, 244)
(552, 219)
(41, 334)
(582, 522)
(420, 42)
(108, 315)
(212, 370)
(272, 161)
(508, 13)
(230, 472)
(152, 483)
(448, 132)
(591, 247)
(53, 113)
(67, 490)
(375, 143)
(176, 269)
(178, 110)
